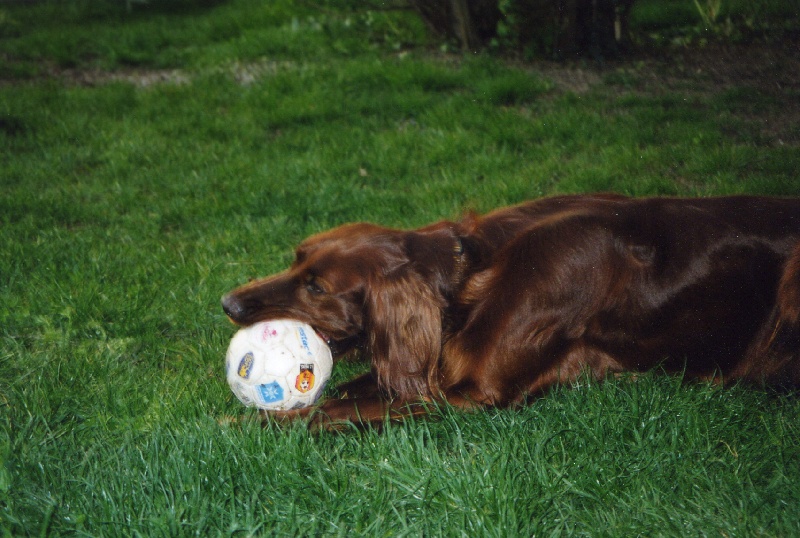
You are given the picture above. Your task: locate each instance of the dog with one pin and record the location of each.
(491, 310)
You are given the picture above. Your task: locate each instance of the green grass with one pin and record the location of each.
(127, 211)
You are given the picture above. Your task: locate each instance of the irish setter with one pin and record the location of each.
(491, 309)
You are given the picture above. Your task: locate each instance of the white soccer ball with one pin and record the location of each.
(278, 365)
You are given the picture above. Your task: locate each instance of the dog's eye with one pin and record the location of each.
(314, 288)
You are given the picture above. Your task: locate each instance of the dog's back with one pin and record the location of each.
(710, 287)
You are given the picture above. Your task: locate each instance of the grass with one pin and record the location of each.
(126, 211)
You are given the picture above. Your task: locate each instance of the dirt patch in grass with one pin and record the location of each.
(766, 75)
(142, 78)
(772, 67)
(243, 72)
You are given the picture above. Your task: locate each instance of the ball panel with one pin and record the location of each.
(277, 361)
(272, 393)
(244, 393)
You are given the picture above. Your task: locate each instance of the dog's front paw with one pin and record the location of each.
(284, 417)
(316, 418)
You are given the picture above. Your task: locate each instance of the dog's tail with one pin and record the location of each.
(789, 291)
(784, 343)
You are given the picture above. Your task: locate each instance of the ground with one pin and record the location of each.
(770, 70)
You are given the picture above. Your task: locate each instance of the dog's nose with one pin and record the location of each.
(233, 307)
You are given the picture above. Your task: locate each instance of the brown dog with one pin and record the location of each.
(486, 311)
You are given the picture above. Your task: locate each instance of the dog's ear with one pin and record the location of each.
(404, 333)
(438, 254)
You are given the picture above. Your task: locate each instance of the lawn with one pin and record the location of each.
(153, 159)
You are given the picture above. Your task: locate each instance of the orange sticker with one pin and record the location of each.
(305, 381)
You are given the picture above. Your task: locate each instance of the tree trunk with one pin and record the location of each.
(560, 28)
(463, 25)
(601, 26)
(472, 23)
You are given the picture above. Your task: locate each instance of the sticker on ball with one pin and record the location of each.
(278, 365)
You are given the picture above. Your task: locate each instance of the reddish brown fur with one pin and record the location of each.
(491, 309)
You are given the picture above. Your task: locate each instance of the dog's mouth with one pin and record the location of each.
(338, 347)
(327, 339)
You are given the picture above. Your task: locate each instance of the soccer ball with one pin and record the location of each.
(278, 365)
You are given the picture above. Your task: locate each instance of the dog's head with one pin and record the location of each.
(362, 285)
